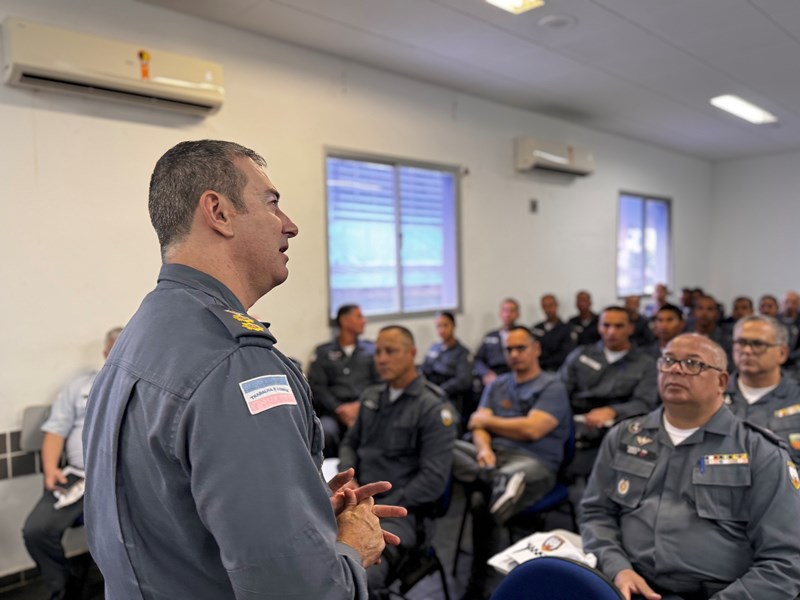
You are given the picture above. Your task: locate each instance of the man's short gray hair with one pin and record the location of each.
(781, 333)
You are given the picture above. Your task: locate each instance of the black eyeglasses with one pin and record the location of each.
(689, 366)
(757, 346)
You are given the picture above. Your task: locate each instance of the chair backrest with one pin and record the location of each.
(31, 435)
(551, 578)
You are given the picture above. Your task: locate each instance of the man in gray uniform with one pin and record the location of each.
(607, 382)
(690, 502)
(341, 370)
(490, 359)
(758, 392)
(404, 433)
(706, 322)
(584, 324)
(202, 450)
(555, 336)
(45, 526)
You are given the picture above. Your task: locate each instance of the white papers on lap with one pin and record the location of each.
(558, 542)
(71, 492)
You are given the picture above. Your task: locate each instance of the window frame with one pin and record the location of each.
(666, 200)
(395, 162)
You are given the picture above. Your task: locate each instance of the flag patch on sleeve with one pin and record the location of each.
(266, 392)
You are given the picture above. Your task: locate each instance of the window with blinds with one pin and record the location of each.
(643, 244)
(392, 236)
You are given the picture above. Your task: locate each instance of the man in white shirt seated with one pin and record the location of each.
(45, 526)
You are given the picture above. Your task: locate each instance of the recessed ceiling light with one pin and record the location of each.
(517, 6)
(557, 22)
(743, 109)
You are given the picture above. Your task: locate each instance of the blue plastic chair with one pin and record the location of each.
(552, 578)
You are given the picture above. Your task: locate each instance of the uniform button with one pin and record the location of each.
(346, 371)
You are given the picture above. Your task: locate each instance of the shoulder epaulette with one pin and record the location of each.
(239, 324)
(767, 434)
(435, 389)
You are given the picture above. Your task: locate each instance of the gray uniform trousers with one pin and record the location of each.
(42, 533)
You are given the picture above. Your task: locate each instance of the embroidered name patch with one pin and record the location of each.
(267, 391)
(590, 362)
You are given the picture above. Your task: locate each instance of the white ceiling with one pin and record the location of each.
(644, 69)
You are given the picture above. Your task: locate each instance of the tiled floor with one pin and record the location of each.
(429, 588)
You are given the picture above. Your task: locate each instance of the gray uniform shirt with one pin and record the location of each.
(719, 514)
(778, 411)
(629, 385)
(336, 378)
(203, 455)
(408, 442)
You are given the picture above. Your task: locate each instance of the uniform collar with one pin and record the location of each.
(784, 387)
(413, 389)
(721, 422)
(203, 282)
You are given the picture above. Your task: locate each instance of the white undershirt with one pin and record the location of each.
(676, 434)
(754, 394)
(613, 356)
(348, 350)
(394, 393)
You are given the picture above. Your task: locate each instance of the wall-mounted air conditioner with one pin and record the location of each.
(42, 57)
(531, 153)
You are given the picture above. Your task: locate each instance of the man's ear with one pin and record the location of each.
(216, 211)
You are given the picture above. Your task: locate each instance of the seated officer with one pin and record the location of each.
(490, 360)
(706, 322)
(447, 362)
(758, 392)
(404, 433)
(584, 324)
(768, 305)
(339, 372)
(607, 381)
(45, 526)
(690, 502)
(555, 336)
(790, 316)
(518, 434)
(642, 335)
(742, 307)
(667, 324)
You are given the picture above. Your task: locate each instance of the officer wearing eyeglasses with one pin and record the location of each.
(758, 391)
(690, 502)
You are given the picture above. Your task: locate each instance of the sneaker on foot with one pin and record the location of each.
(507, 490)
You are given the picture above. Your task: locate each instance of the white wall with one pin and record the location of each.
(79, 252)
(756, 226)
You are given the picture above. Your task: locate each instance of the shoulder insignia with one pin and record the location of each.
(239, 324)
(447, 417)
(767, 433)
(793, 474)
